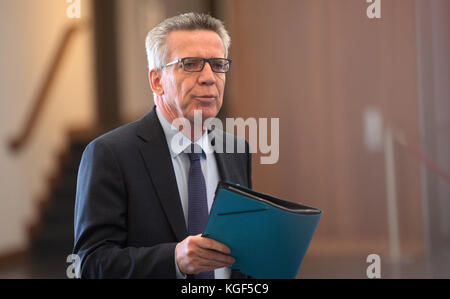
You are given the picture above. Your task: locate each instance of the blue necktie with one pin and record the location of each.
(198, 202)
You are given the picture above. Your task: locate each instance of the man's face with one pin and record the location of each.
(184, 92)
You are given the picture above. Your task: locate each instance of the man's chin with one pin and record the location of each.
(202, 114)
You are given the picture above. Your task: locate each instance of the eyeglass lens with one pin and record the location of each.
(218, 65)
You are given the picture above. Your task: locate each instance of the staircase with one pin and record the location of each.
(52, 238)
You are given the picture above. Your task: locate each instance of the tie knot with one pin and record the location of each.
(195, 152)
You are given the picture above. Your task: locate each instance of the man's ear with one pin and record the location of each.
(154, 77)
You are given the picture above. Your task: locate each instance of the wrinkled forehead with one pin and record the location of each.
(194, 43)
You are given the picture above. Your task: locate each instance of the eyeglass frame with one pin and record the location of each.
(204, 62)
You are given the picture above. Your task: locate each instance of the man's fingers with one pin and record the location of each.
(208, 243)
(210, 265)
(196, 254)
(200, 261)
(214, 256)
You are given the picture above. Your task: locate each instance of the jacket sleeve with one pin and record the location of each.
(101, 224)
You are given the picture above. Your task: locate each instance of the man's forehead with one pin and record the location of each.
(195, 40)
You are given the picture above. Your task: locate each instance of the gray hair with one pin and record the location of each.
(156, 45)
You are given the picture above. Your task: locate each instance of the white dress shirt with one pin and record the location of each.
(181, 164)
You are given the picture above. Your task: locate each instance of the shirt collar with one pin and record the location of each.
(170, 131)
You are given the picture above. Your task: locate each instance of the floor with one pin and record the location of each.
(312, 268)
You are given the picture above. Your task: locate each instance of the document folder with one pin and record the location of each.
(267, 236)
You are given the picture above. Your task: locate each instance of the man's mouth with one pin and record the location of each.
(206, 97)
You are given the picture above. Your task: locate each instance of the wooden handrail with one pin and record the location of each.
(20, 140)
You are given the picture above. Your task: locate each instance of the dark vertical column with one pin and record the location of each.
(107, 85)
(434, 91)
(217, 10)
(212, 8)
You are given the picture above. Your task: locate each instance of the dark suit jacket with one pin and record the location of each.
(128, 213)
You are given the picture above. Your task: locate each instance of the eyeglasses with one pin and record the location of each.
(196, 64)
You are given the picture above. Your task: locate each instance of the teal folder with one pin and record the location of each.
(267, 236)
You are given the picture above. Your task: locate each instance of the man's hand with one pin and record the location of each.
(196, 254)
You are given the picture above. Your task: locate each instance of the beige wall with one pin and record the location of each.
(317, 65)
(30, 31)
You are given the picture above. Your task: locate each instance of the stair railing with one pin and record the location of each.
(18, 141)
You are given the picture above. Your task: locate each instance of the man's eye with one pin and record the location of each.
(218, 65)
(192, 64)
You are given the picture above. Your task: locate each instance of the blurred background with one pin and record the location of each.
(363, 105)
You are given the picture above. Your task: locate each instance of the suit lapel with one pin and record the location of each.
(225, 162)
(155, 152)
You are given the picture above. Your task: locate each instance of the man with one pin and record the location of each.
(141, 203)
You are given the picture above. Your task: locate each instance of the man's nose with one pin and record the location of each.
(207, 76)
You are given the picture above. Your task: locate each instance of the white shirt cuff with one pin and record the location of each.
(179, 275)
